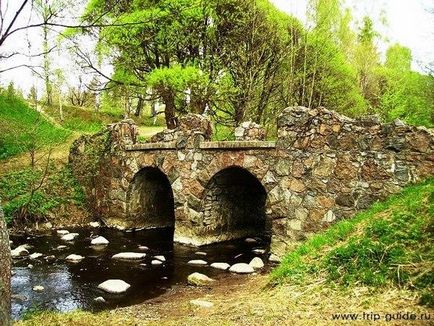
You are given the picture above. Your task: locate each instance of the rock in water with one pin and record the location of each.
(156, 262)
(19, 252)
(5, 273)
(99, 300)
(197, 262)
(74, 258)
(69, 236)
(35, 255)
(62, 232)
(94, 224)
(38, 288)
(241, 268)
(202, 303)
(256, 263)
(160, 258)
(200, 253)
(114, 286)
(250, 240)
(199, 279)
(99, 241)
(222, 266)
(129, 256)
(258, 251)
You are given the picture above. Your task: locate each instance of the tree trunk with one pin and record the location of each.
(169, 111)
(5, 273)
(48, 86)
(139, 107)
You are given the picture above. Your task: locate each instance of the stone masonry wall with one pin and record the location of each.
(324, 167)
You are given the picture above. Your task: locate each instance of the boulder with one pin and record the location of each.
(197, 262)
(99, 241)
(114, 286)
(74, 258)
(199, 279)
(256, 263)
(241, 268)
(129, 255)
(222, 266)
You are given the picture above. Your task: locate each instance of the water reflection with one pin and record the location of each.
(68, 286)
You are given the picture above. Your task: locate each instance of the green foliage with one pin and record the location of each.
(23, 129)
(58, 188)
(388, 244)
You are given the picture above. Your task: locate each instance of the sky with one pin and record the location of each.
(408, 23)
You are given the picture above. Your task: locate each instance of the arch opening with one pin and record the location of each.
(150, 201)
(234, 206)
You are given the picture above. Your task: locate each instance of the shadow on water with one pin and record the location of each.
(69, 286)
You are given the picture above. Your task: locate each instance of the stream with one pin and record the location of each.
(69, 286)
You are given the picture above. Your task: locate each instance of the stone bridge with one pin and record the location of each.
(323, 167)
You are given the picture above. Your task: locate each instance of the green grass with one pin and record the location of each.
(59, 187)
(388, 244)
(22, 128)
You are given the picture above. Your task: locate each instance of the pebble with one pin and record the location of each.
(38, 288)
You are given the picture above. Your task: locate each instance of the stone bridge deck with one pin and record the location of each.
(323, 167)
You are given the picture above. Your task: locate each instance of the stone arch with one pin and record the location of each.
(233, 206)
(150, 199)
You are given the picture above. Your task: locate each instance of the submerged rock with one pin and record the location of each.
(241, 268)
(99, 241)
(129, 256)
(256, 263)
(222, 266)
(202, 303)
(197, 262)
(250, 240)
(199, 279)
(74, 258)
(114, 286)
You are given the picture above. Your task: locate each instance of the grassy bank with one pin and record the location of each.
(23, 129)
(381, 262)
